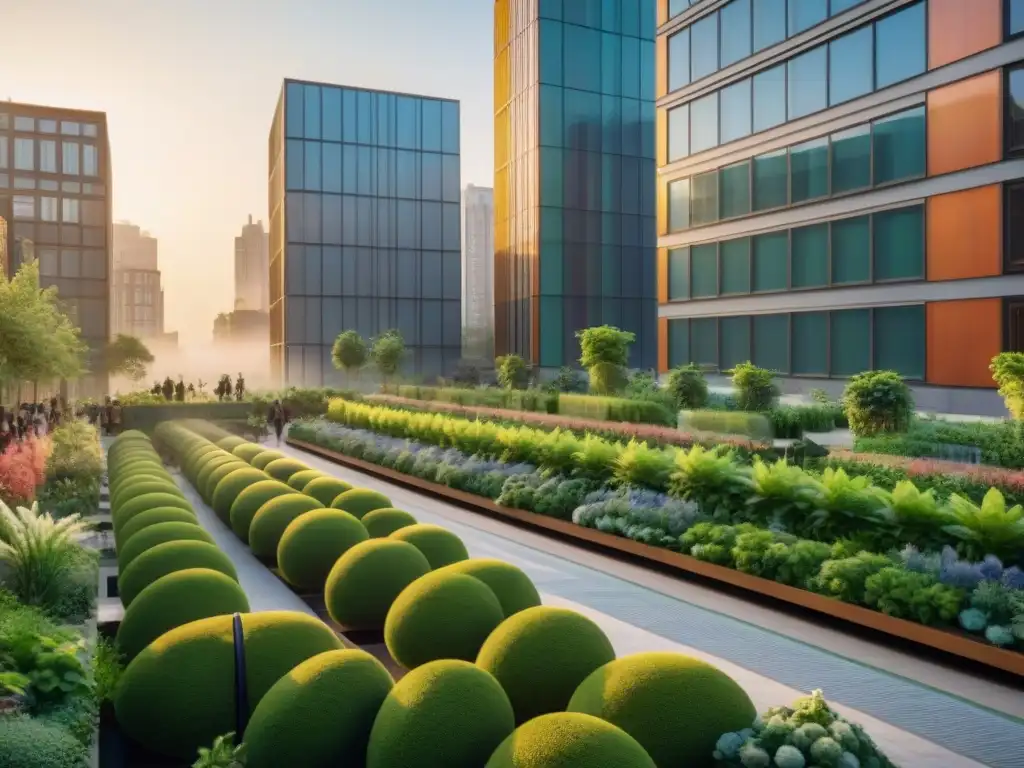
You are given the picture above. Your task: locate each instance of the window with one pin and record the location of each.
(48, 208)
(770, 98)
(850, 341)
(704, 47)
(851, 159)
(679, 60)
(1015, 227)
(678, 342)
(899, 146)
(810, 256)
(850, 66)
(804, 14)
(24, 207)
(838, 6)
(1015, 20)
(1014, 110)
(735, 31)
(24, 154)
(24, 182)
(900, 42)
(70, 158)
(807, 87)
(899, 340)
(704, 125)
(704, 271)
(48, 262)
(734, 258)
(771, 262)
(679, 205)
(735, 341)
(704, 341)
(771, 342)
(769, 23)
(24, 123)
(675, 7)
(851, 249)
(735, 190)
(90, 160)
(771, 180)
(71, 265)
(678, 132)
(93, 213)
(679, 274)
(89, 129)
(899, 244)
(48, 156)
(70, 128)
(704, 199)
(810, 343)
(735, 106)
(69, 211)
(809, 167)
(3, 151)
(47, 126)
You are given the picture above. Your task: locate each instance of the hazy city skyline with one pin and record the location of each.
(189, 91)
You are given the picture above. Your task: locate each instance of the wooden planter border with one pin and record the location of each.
(947, 642)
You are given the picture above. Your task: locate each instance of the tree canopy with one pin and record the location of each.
(388, 349)
(349, 351)
(128, 355)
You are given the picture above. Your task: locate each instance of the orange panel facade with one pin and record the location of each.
(660, 66)
(963, 337)
(960, 28)
(662, 345)
(662, 275)
(965, 234)
(965, 124)
(662, 12)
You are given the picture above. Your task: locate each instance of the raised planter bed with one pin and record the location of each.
(956, 645)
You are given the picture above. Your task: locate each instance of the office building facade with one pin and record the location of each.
(55, 181)
(364, 227)
(252, 268)
(137, 297)
(574, 178)
(840, 190)
(478, 272)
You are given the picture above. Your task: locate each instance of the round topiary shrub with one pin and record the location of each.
(299, 480)
(312, 544)
(541, 655)
(218, 474)
(676, 706)
(263, 459)
(158, 534)
(318, 714)
(231, 442)
(570, 740)
(283, 469)
(119, 480)
(510, 585)
(446, 714)
(175, 600)
(440, 546)
(230, 486)
(271, 520)
(326, 489)
(167, 558)
(193, 669)
(360, 501)
(30, 742)
(381, 523)
(208, 468)
(150, 517)
(145, 502)
(141, 487)
(248, 503)
(441, 616)
(365, 581)
(248, 451)
(194, 459)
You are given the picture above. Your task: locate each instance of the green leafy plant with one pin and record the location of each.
(605, 355)
(915, 515)
(224, 753)
(349, 352)
(107, 668)
(639, 464)
(1008, 373)
(128, 355)
(52, 667)
(877, 402)
(387, 353)
(846, 578)
(754, 388)
(990, 528)
(513, 372)
(13, 682)
(910, 595)
(688, 387)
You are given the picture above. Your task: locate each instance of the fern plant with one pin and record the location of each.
(989, 529)
(223, 754)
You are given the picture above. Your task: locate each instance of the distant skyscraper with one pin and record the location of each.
(137, 296)
(478, 271)
(252, 268)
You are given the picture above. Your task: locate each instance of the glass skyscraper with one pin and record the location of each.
(574, 179)
(364, 227)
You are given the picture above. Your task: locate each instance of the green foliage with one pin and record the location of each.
(567, 380)
(283, 469)
(513, 372)
(326, 489)
(639, 464)
(230, 486)
(107, 668)
(569, 740)
(266, 457)
(158, 534)
(383, 522)
(990, 528)
(50, 668)
(914, 596)
(29, 742)
(846, 578)
(144, 503)
(605, 355)
(878, 402)
(1000, 444)
(128, 355)
(312, 544)
(367, 579)
(349, 352)
(217, 474)
(1008, 373)
(754, 388)
(131, 489)
(688, 387)
(440, 546)
(250, 500)
(360, 501)
(273, 518)
(635, 411)
(224, 753)
(510, 585)
(387, 352)
(167, 558)
(299, 480)
(756, 426)
(75, 452)
(143, 520)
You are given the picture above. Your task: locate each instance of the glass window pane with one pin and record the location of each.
(735, 341)
(899, 244)
(809, 167)
(704, 199)
(899, 146)
(735, 104)
(850, 70)
(678, 132)
(312, 119)
(331, 114)
(804, 14)
(734, 256)
(771, 342)
(771, 180)
(771, 262)
(838, 6)
(851, 159)
(704, 47)
(735, 190)
(899, 338)
(704, 271)
(704, 341)
(810, 256)
(1016, 17)
(851, 249)
(850, 342)
(678, 342)
(313, 167)
(769, 23)
(807, 86)
(1014, 109)
(704, 126)
(679, 274)
(678, 59)
(679, 205)
(583, 66)
(900, 46)
(770, 98)
(735, 31)
(810, 343)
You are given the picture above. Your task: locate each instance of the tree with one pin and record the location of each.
(349, 352)
(128, 355)
(388, 349)
(168, 389)
(605, 354)
(512, 371)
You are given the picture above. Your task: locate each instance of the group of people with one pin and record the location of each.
(29, 420)
(107, 417)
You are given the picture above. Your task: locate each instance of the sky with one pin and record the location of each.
(190, 86)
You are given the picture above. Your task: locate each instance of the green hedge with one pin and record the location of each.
(146, 417)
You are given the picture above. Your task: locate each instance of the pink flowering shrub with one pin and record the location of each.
(22, 470)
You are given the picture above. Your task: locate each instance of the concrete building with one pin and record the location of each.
(55, 182)
(574, 176)
(478, 272)
(365, 230)
(137, 298)
(840, 190)
(252, 268)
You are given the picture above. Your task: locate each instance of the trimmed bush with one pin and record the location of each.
(365, 581)
(359, 501)
(676, 706)
(271, 520)
(248, 451)
(381, 523)
(446, 714)
(441, 616)
(570, 740)
(878, 402)
(230, 486)
(167, 558)
(312, 544)
(119, 480)
(218, 474)
(541, 655)
(208, 468)
(175, 600)
(248, 503)
(510, 585)
(193, 669)
(320, 714)
(283, 469)
(231, 442)
(29, 742)
(145, 502)
(159, 534)
(195, 456)
(137, 468)
(326, 489)
(150, 517)
(440, 546)
(299, 480)
(263, 459)
(141, 487)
